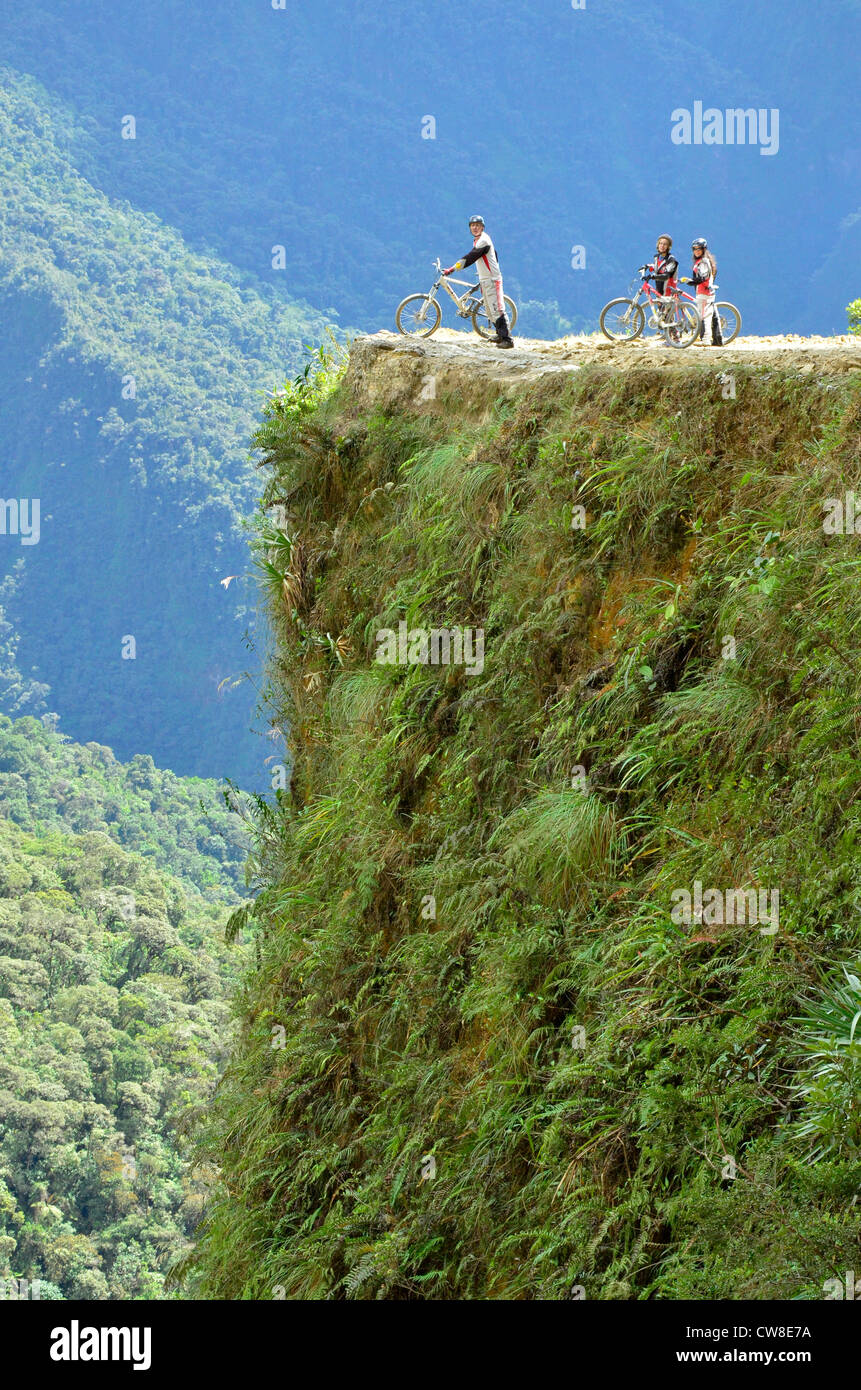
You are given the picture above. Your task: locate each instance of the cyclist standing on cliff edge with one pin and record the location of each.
(703, 275)
(483, 255)
(665, 266)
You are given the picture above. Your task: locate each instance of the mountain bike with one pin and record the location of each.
(677, 318)
(418, 316)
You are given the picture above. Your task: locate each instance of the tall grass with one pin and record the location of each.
(464, 921)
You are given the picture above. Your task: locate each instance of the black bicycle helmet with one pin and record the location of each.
(699, 241)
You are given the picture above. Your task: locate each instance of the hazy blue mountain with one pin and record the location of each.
(302, 126)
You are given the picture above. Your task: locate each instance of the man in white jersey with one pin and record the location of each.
(483, 256)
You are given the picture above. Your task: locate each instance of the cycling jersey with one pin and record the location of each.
(664, 268)
(483, 256)
(703, 274)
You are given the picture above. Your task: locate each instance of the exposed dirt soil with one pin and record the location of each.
(387, 369)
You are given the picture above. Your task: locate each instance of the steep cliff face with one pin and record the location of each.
(557, 928)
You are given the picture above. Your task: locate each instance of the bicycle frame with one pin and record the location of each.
(677, 293)
(464, 302)
(656, 302)
(657, 305)
(694, 299)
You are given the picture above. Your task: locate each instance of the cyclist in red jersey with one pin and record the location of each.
(664, 267)
(703, 275)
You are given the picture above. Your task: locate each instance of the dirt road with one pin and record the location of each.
(387, 369)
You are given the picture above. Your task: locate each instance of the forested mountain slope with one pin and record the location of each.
(558, 962)
(131, 370)
(116, 882)
(113, 1028)
(180, 824)
(302, 125)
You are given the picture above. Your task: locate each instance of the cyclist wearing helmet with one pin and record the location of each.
(665, 266)
(483, 255)
(703, 276)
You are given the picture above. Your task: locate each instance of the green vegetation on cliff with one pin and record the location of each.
(480, 1056)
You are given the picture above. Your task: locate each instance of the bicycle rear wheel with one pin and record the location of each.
(418, 316)
(682, 325)
(730, 322)
(481, 323)
(622, 320)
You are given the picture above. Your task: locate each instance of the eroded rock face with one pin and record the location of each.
(388, 370)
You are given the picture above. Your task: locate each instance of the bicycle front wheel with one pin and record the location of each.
(682, 325)
(622, 320)
(482, 324)
(418, 316)
(730, 322)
